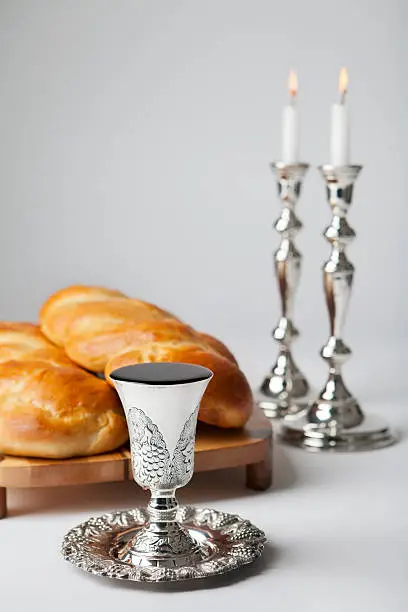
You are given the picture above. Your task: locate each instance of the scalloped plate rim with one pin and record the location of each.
(256, 543)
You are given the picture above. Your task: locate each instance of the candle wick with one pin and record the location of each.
(343, 97)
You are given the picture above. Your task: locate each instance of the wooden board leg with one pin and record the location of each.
(3, 502)
(259, 475)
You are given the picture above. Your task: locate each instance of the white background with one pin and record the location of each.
(135, 142)
(135, 137)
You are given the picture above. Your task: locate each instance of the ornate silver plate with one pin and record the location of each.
(226, 542)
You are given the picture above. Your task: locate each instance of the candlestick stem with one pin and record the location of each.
(335, 420)
(285, 389)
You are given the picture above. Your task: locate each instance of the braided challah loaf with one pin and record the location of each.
(228, 399)
(49, 407)
(97, 326)
(93, 347)
(60, 309)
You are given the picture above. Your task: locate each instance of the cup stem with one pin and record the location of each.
(163, 506)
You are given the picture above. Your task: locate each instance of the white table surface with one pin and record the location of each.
(337, 529)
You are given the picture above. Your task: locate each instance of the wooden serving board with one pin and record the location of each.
(215, 449)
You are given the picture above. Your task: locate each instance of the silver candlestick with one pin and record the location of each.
(335, 420)
(284, 391)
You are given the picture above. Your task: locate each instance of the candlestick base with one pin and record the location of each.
(285, 391)
(371, 434)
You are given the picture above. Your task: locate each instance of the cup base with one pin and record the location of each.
(169, 545)
(226, 542)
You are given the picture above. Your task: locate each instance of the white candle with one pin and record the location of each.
(339, 134)
(290, 124)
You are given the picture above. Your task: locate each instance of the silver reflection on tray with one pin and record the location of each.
(162, 542)
(335, 420)
(285, 390)
(229, 542)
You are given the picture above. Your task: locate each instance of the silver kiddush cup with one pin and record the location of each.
(161, 402)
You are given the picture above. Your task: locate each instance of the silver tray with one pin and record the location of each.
(227, 541)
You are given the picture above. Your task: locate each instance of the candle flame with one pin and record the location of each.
(293, 83)
(343, 82)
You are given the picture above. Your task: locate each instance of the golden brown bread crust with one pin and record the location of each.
(57, 412)
(59, 310)
(49, 407)
(93, 317)
(218, 346)
(81, 318)
(18, 352)
(86, 310)
(23, 333)
(93, 350)
(93, 346)
(21, 341)
(228, 400)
